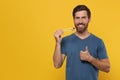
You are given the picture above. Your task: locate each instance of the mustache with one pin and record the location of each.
(80, 24)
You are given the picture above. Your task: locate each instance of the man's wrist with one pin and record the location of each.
(58, 43)
(90, 59)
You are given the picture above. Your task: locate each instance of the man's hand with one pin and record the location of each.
(58, 57)
(58, 35)
(85, 55)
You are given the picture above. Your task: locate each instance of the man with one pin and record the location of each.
(86, 53)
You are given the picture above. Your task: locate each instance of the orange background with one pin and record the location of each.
(27, 42)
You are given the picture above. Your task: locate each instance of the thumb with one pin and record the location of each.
(86, 48)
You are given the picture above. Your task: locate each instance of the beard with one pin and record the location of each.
(81, 27)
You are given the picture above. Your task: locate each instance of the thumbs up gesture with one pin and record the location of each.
(85, 55)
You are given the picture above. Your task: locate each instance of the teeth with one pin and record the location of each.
(80, 25)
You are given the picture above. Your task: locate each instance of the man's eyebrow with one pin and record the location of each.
(83, 17)
(77, 17)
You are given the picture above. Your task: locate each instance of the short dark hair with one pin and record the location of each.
(81, 8)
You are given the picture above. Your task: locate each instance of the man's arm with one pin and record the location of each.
(103, 64)
(58, 58)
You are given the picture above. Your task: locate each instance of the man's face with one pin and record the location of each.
(81, 21)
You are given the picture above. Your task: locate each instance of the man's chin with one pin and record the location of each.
(81, 31)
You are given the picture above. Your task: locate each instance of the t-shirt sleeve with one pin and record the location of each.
(101, 51)
(63, 46)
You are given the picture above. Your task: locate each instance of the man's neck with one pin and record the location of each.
(82, 35)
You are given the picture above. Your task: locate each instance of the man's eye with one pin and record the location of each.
(77, 17)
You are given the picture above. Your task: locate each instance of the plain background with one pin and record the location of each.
(27, 42)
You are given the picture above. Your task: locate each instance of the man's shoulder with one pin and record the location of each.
(96, 37)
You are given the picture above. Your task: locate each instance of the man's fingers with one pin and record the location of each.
(58, 33)
(82, 51)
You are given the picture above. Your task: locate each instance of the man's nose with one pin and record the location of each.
(80, 20)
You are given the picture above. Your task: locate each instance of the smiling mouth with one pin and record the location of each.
(81, 25)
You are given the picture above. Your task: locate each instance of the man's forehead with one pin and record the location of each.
(81, 13)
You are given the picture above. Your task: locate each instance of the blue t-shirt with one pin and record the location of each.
(75, 68)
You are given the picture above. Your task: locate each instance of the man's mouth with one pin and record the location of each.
(80, 25)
